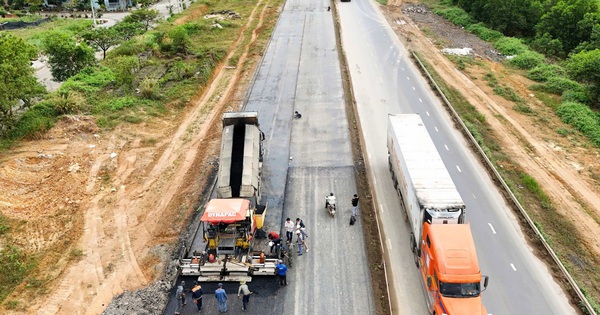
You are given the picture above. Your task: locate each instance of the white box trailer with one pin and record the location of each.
(420, 177)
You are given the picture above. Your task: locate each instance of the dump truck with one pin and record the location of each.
(233, 220)
(431, 203)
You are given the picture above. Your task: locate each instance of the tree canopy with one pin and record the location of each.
(18, 84)
(144, 16)
(101, 38)
(584, 67)
(65, 56)
(569, 21)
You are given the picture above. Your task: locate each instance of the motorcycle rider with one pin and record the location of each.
(330, 200)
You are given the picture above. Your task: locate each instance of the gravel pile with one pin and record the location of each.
(152, 299)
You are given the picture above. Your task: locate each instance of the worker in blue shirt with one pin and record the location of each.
(281, 273)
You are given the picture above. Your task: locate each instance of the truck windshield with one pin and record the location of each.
(459, 290)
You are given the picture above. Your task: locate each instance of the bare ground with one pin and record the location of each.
(106, 207)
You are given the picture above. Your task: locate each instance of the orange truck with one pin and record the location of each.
(442, 245)
(450, 270)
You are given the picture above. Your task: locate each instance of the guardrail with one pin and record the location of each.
(585, 303)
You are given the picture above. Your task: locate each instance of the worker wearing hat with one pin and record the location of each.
(281, 271)
(244, 293)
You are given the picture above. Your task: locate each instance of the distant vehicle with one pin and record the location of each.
(345, 0)
(233, 221)
(443, 247)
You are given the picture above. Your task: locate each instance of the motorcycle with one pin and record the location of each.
(330, 205)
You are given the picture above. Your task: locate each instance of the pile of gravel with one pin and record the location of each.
(150, 300)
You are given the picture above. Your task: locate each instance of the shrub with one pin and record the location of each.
(89, 81)
(123, 102)
(484, 32)
(131, 47)
(527, 60)
(544, 72)
(124, 69)
(582, 118)
(575, 96)
(558, 85)
(149, 88)
(34, 122)
(69, 103)
(510, 46)
(455, 15)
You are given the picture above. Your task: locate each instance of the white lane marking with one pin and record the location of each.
(492, 227)
(403, 69)
(513, 267)
(436, 129)
(458, 168)
(427, 113)
(474, 196)
(407, 78)
(447, 149)
(380, 208)
(414, 88)
(389, 244)
(420, 100)
(369, 154)
(374, 181)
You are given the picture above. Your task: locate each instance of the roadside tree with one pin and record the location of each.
(18, 84)
(144, 16)
(101, 38)
(66, 57)
(127, 30)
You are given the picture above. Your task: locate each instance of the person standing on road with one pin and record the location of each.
(355, 205)
(289, 230)
(299, 222)
(281, 270)
(221, 297)
(197, 295)
(301, 241)
(245, 292)
(180, 294)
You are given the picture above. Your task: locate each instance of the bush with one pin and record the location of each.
(124, 69)
(149, 88)
(71, 102)
(123, 102)
(575, 96)
(484, 33)
(558, 85)
(89, 81)
(510, 46)
(35, 121)
(544, 72)
(582, 118)
(527, 60)
(131, 47)
(455, 15)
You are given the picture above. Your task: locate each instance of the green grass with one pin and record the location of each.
(35, 35)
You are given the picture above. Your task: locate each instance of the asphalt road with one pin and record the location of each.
(385, 81)
(306, 159)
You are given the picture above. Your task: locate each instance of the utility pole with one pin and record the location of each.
(93, 12)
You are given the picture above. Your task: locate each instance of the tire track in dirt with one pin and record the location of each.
(117, 227)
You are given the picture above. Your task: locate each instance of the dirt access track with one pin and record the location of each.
(105, 208)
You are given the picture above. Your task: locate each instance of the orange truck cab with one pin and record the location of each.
(450, 270)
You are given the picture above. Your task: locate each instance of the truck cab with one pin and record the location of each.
(450, 270)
